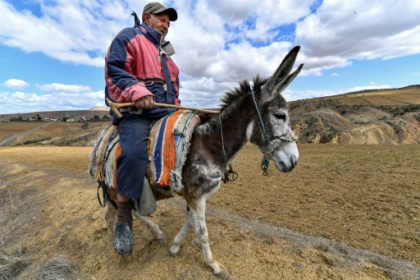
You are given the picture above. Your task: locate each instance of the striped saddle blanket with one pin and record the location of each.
(169, 141)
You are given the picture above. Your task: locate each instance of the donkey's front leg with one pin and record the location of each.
(199, 218)
(182, 233)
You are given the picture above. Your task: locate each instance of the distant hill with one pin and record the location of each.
(77, 114)
(396, 96)
(389, 116)
(99, 108)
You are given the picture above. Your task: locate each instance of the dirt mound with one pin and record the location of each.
(369, 134)
(322, 221)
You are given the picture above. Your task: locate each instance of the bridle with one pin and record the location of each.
(274, 144)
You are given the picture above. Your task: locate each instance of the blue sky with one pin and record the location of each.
(52, 51)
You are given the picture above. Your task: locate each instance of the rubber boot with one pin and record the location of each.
(123, 236)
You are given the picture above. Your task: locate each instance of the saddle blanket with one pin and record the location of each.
(169, 141)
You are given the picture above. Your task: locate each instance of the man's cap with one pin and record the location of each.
(157, 8)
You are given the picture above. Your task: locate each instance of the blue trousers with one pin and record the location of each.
(132, 163)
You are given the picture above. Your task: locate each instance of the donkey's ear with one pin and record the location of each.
(281, 86)
(282, 72)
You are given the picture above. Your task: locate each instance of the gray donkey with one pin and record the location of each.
(257, 114)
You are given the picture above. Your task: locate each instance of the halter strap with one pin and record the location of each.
(274, 144)
(259, 116)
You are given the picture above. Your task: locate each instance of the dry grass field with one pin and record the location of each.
(404, 96)
(56, 132)
(345, 212)
(12, 128)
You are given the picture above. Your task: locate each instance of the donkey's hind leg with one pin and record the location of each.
(199, 219)
(182, 233)
(111, 217)
(154, 228)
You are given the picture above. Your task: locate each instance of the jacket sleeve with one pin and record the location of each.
(120, 61)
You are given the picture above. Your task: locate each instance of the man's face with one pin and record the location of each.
(159, 23)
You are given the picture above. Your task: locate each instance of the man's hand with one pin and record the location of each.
(146, 102)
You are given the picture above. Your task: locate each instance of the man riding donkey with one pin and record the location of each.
(138, 69)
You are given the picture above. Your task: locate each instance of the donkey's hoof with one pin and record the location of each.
(123, 238)
(161, 241)
(174, 250)
(223, 273)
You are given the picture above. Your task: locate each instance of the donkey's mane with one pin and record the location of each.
(241, 91)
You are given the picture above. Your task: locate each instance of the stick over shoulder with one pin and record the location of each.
(116, 106)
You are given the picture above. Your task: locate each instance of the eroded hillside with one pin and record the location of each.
(330, 121)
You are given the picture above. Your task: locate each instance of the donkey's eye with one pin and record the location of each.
(280, 116)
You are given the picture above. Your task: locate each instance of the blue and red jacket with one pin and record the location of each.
(133, 69)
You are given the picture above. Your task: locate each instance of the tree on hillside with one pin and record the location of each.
(85, 125)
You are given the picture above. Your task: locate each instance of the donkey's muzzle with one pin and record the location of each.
(287, 158)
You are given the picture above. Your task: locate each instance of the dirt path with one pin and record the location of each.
(48, 210)
(11, 138)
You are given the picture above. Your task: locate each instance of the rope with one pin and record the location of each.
(259, 116)
(223, 142)
(228, 175)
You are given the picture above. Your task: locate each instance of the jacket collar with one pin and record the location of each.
(151, 34)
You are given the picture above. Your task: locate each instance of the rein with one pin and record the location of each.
(229, 175)
(274, 144)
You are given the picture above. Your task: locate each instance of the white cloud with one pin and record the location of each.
(370, 87)
(64, 88)
(272, 14)
(204, 92)
(335, 74)
(234, 12)
(15, 84)
(208, 33)
(59, 97)
(23, 102)
(219, 43)
(70, 31)
(360, 30)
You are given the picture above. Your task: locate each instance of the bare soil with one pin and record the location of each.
(345, 212)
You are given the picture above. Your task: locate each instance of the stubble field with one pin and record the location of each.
(345, 212)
